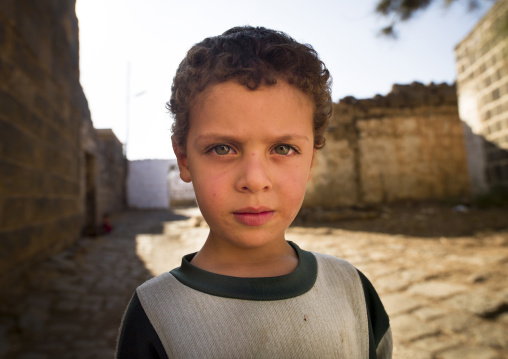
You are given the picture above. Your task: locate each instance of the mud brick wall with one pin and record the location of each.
(407, 145)
(42, 106)
(112, 173)
(103, 175)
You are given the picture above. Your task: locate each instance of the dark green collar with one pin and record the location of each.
(300, 281)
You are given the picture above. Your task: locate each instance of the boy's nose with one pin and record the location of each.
(253, 176)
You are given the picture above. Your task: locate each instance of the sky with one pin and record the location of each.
(130, 49)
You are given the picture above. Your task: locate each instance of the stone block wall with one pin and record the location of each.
(482, 81)
(42, 106)
(407, 145)
(103, 168)
(112, 173)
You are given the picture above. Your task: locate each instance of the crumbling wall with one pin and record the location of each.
(407, 145)
(41, 108)
(112, 174)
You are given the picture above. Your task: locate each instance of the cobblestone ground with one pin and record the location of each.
(447, 296)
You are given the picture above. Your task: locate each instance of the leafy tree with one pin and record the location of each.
(403, 10)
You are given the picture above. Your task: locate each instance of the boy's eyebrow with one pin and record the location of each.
(292, 136)
(216, 137)
(226, 138)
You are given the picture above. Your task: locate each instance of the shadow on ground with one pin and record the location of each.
(428, 220)
(71, 305)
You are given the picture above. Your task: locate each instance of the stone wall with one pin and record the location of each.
(41, 108)
(58, 175)
(112, 173)
(104, 170)
(482, 80)
(407, 145)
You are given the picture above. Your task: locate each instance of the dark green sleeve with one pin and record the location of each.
(138, 339)
(379, 324)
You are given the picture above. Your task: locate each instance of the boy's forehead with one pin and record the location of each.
(229, 88)
(229, 111)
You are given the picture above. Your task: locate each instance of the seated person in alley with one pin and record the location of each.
(107, 227)
(251, 107)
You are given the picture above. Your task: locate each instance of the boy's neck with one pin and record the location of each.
(276, 260)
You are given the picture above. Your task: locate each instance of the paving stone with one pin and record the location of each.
(407, 327)
(381, 256)
(436, 344)
(69, 288)
(470, 353)
(479, 277)
(33, 320)
(429, 313)
(91, 304)
(400, 303)
(65, 328)
(492, 335)
(437, 289)
(503, 318)
(482, 303)
(33, 356)
(4, 345)
(66, 305)
(456, 322)
(390, 284)
(377, 271)
(415, 275)
(405, 352)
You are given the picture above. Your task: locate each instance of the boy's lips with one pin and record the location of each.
(253, 216)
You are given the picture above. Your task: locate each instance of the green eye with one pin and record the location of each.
(222, 149)
(282, 149)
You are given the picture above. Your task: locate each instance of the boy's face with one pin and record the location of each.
(249, 154)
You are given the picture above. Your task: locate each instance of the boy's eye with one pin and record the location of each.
(282, 149)
(222, 149)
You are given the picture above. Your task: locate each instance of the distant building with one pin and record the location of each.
(156, 184)
(147, 184)
(482, 89)
(405, 146)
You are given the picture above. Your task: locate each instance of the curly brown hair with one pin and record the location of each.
(253, 56)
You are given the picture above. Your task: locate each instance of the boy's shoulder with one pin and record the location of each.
(328, 261)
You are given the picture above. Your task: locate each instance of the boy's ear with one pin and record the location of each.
(181, 158)
(311, 165)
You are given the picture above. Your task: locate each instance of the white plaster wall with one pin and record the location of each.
(147, 185)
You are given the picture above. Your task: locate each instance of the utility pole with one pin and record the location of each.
(127, 108)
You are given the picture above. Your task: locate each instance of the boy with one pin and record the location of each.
(250, 109)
